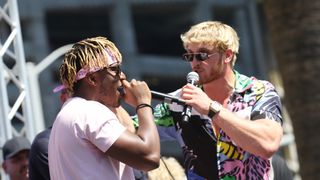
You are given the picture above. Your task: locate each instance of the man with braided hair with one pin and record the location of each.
(88, 140)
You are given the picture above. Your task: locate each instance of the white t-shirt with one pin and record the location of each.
(81, 134)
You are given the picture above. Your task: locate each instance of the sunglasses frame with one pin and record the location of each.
(114, 70)
(200, 56)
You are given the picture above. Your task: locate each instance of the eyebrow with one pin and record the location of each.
(199, 50)
(204, 50)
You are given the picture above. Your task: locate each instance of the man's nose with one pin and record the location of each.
(195, 62)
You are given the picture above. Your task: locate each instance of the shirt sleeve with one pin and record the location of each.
(100, 126)
(268, 106)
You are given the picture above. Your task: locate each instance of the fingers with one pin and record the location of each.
(142, 85)
(191, 86)
(192, 94)
(134, 84)
(137, 92)
(125, 83)
(188, 90)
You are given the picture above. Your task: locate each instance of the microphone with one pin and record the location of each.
(167, 98)
(121, 90)
(193, 79)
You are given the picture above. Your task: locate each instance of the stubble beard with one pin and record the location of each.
(215, 73)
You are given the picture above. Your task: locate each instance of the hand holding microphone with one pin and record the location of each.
(192, 78)
(137, 92)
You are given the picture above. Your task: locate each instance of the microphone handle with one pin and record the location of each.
(193, 79)
(186, 113)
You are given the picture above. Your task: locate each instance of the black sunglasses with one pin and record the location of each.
(201, 56)
(114, 70)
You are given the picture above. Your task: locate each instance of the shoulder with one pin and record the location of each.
(260, 87)
(252, 85)
(40, 143)
(82, 106)
(41, 137)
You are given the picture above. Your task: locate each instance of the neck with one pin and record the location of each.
(85, 94)
(221, 89)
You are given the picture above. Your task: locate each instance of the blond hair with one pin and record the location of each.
(215, 34)
(169, 169)
(86, 54)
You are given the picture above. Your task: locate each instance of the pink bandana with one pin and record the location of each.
(58, 88)
(82, 73)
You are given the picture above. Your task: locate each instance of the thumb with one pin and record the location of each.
(125, 83)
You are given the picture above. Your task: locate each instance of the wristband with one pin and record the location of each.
(142, 106)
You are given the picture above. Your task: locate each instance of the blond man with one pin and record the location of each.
(235, 124)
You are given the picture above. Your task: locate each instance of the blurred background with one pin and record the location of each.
(36, 33)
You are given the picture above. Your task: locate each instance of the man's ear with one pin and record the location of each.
(229, 55)
(91, 79)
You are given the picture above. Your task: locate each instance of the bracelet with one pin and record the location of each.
(142, 106)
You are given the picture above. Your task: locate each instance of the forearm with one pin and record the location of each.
(148, 133)
(141, 149)
(260, 137)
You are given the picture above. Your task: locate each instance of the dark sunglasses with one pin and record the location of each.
(114, 70)
(201, 56)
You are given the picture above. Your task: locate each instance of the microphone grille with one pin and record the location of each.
(193, 77)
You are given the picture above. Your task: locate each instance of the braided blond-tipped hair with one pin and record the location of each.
(86, 54)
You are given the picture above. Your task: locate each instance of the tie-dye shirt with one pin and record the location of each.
(207, 156)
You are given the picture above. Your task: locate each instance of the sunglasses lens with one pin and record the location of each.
(201, 56)
(116, 70)
(188, 57)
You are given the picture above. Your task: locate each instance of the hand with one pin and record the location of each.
(196, 98)
(137, 92)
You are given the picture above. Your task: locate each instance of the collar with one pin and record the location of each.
(243, 82)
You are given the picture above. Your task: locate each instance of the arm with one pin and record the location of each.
(260, 137)
(164, 122)
(140, 150)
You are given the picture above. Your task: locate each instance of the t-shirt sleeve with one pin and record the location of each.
(108, 132)
(100, 126)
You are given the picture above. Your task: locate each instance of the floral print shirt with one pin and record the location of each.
(207, 156)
